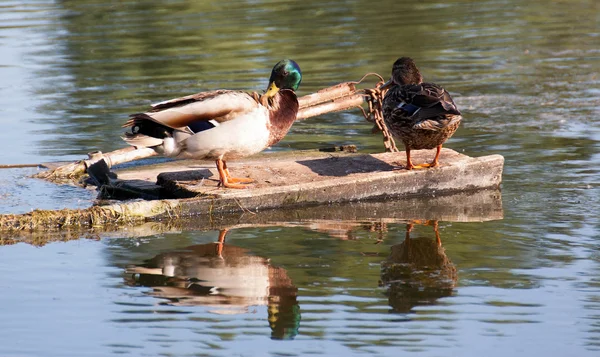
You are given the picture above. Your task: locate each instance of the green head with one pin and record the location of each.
(285, 75)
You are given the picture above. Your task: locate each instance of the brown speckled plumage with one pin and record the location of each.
(421, 115)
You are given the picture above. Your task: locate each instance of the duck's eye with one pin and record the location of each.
(285, 73)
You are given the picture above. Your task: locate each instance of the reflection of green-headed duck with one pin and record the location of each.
(225, 278)
(221, 125)
(422, 115)
(418, 272)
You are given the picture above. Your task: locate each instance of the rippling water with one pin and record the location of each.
(526, 76)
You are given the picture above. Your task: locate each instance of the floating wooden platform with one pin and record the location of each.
(282, 181)
(295, 179)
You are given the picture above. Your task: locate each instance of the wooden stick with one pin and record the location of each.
(76, 169)
(20, 166)
(345, 103)
(327, 94)
(128, 154)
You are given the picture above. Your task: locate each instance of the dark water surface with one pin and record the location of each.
(522, 279)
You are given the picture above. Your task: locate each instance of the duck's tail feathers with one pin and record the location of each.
(141, 140)
(145, 131)
(135, 119)
(438, 123)
(144, 124)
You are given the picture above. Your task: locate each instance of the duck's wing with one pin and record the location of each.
(197, 110)
(427, 104)
(429, 95)
(197, 97)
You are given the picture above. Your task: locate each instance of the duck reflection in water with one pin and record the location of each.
(418, 272)
(225, 278)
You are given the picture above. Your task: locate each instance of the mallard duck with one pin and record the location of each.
(221, 125)
(421, 115)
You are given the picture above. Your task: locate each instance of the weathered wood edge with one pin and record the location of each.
(479, 206)
(457, 178)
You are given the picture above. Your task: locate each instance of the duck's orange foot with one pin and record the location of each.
(236, 179)
(240, 179)
(422, 166)
(225, 179)
(434, 163)
(228, 184)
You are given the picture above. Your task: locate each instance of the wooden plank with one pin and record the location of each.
(325, 178)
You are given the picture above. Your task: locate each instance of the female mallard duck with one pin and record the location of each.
(221, 125)
(422, 115)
